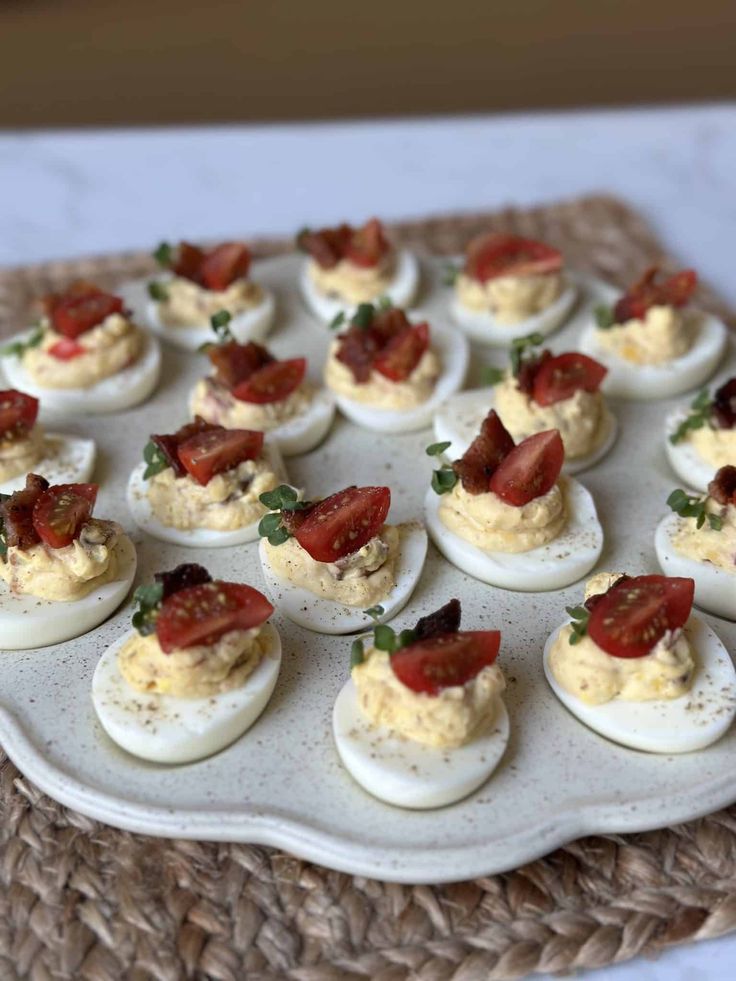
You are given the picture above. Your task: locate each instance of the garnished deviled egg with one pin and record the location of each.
(195, 284)
(509, 287)
(539, 391)
(637, 668)
(703, 438)
(63, 571)
(195, 672)
(422, 723)
(24, 446)
(503, 514)
(652, 343)
(85, 356)
(332, 565)
(250, 389)
(699, 540)
(389, 374)
(348, 266)
(201, 485)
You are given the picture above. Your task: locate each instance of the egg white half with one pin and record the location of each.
(127, 388)
(328, 617)
(660, 381)
(401, 290)
(27, 621)
(65, 460)
(715, 588)
(458, 421)
(454, 353)
(142, 512)
(684, 459)
(409, 774)
(165, 729)
(678, 725)
(559, 563)
(482, 326)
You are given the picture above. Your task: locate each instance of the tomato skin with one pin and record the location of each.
(202, 614)
(445, 660)
(77, 312)
(633, 616)
(559, 378)
(66, 349)
(484, 455)
(273, 382)
(343, 522)
(647, 292)
(398, 359)
(169, 443)
(223, 265)
(530, 470)
(60, 512)
(208, 453)
(18, 413)
(498, 254)
(235, 362)
(367, 245)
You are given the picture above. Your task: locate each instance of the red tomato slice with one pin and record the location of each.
(445, 660)
(497, 254)
(187, 260)
(272, 383)
(223, 265)
(558, 378)
(402, 354)
(18, 413)
(76, 313)
(485, 453)
(344, 522)
(202, 614)
(66, 349)
(647, 292)
(636, 613)
(367, 245)
(235, 362)
(60, 512)
(530, 470)
(209, 453)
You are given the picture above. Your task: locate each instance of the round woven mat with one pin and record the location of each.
(80, 900)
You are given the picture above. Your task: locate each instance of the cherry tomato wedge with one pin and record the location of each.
(202, 614)
(273, 382)
(235, 362)
(223, 265)
(530, 470)
(18, 413)
(367, 245)
(402, 354)
(208, 453)
(558, 378)
(647, 292)
(60, 512)
(479, 462)
(499, 254)
(76, 313)
(445, 660)
(634, 615)
(344, 522)
(66, 349)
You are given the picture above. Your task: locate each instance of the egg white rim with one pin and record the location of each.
(684, 459)
(673, 563)
(483, 328)
(401, 290)
(70, 462)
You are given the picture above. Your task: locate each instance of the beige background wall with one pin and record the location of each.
(70, 62)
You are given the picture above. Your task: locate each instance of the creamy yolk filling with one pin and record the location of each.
(228, 501)
(195, 672)
(715, 446)
(188, 304)
(664, 334)
(509, 298)
(491, 524)
(379, 391)
(351, 283)
(109, 348)
(68, 573)
(579, 419)
(18, 456)
(362, 578)
(216, 404)
(449, 719)
(706, 544)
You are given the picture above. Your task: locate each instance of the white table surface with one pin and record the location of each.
(72, 193)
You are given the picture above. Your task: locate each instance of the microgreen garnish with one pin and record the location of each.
(282, 498)
(579, 616)
(604, 317)
(385, 303)
(155, 460)
(692, 506)
(444, 479)
(3, 533)
(220, 323)
(157, 291)
(301, 235)
(357, 654)
(363, 316)
(701, 407)
(16, 349)
(493, 375)
(520, 347)
(148, 599)
(385, 638)
(164, 254)
(338, 320)
(374, 612)
(450, 274)
(437, 449)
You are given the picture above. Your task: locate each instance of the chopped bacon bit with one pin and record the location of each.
(17, 513)
(446, 620)
(479, 462)
(184, 576)
(357, 350)
(213, 269)
(365, 246)
(528, 371)
(723, 412)
(647, 292)
(169, 443)
(723, 486)
(390, 344)
(234, 362)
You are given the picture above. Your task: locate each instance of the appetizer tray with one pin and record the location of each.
(282, 783)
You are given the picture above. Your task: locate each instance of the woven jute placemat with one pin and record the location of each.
(80, 900)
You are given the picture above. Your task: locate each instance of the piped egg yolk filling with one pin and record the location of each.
(380, 392)
(20, 455)
(351, 283)
(187, 304)
(705, 544)
(109, 347)
(664, 334)
(510, 299)
(715, 446)
(214, 403)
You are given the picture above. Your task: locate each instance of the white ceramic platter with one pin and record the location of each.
(282, 783)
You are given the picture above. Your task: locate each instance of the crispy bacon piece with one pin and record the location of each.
(390, 343)
(674, 291)
(364, 246)
(182, 577)
(357, 351)
(446, 620)
(479, 462)
(169, 443)
(234, 362)
(723, 413)
(723, 486)
(528, 371)
(17, 513)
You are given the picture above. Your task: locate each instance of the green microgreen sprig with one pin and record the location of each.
(338, 320)
(164, 255)
(444, 479)
(385, 638)
(154, 459)
(693, 506)
(282, 498)
(16, 349)
(148, 600)
(363, 316)
(493, 375)
(604, 317)
(3, 532)
(579, 622)
(157, 291)
(521, 347)
(699, 416)
(450, 274)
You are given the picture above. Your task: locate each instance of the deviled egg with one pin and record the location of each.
(333, 565)
(389, 374)
(701, 440)
(653, 345)
(637, 668)
(195, 672)
(422, 723)
(509, 287)
(348, 266)
(63, 571)
(503, 514)
(201, 485)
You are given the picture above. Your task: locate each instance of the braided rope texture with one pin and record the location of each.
(79, 900)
